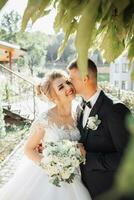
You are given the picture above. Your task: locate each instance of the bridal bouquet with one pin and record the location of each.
(60, 161)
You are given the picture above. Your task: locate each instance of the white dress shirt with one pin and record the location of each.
(87, 110)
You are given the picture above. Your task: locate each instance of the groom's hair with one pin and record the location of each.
(92, 68)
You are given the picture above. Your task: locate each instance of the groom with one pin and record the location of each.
(103, 132)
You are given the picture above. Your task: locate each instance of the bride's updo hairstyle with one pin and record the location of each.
(44, 88)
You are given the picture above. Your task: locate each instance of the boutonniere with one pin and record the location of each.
(93, 122)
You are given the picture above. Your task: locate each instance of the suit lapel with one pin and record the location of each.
(80, 118)
(79, 115)
(97, 104)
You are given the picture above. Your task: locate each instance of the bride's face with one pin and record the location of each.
(63, 89)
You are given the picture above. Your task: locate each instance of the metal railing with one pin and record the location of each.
(126, 97)
(18, 93)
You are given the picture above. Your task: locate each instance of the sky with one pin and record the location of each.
(44, 24)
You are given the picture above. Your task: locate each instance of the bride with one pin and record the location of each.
(30, 182)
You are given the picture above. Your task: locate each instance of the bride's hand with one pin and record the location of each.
(39, 148)
(82, 149)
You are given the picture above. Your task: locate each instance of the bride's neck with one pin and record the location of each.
(63, 110)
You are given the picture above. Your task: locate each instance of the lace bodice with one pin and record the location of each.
(53, 132)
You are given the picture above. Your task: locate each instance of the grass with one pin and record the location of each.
(14, 135)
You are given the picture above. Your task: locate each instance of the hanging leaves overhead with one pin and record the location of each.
(2, 3)
(104, 24)
(34, 10)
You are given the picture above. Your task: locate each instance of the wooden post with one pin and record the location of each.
(10, 64)
(10, 60)
(4, 63)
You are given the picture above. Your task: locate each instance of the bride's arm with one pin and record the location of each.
(33, 141)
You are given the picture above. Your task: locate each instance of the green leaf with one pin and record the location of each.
(36, 8)
(111, 45)
(84, 34)
(130, 122)
(56, 181)
(70, 30)
(120, 29)
(2, 3)
(70, 4)
(125, 176)
(131, 49)
(30, 9)
(58, 18)
(105, 7)
(128, 13)
(132, 76)
(54, 3)
(40, 12)
(71, 14)
(121, 5)
(66, 15)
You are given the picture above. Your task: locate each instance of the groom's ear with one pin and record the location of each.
(86, 79)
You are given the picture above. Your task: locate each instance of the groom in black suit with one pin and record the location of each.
(103, 132)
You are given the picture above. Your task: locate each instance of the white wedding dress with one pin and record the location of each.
(30, 182)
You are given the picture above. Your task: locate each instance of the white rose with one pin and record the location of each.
(72, 150)
(52, 170)
(71, 169)
(65, 174)
(74, 161)
(92, 125)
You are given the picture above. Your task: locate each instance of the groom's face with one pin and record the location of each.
(76, 80)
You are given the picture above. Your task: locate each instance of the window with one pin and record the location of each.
(124, 68)
(116, 68)
(124, 85)
(116, 83)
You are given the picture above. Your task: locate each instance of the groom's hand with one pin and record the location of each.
(82, 149)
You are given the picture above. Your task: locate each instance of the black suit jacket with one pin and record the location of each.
(105, 145)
